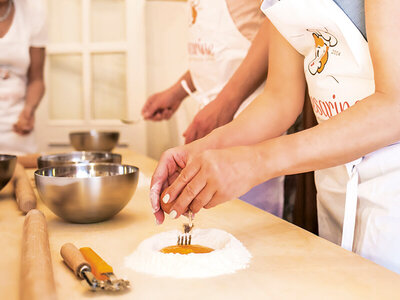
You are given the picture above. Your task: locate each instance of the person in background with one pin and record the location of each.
(225, 37)
(344, 56)
(22, 55)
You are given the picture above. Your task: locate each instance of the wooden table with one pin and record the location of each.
(288, 262)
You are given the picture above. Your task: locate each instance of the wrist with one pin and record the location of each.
(178, 91)
(29, 110)
(230, 99)
(267, 157)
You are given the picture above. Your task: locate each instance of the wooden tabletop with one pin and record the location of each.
(287, 263)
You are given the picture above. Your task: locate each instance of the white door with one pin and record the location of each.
(95, 71)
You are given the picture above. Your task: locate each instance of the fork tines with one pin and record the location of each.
(184, 239)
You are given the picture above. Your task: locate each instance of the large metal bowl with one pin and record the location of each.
(77, 157)
(94, 140)
(87, 193)
(7, 167)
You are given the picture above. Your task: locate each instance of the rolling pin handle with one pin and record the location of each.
(74, 260)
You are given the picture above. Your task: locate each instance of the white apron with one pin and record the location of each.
(216, 49)
(358, 203)
(14, 64)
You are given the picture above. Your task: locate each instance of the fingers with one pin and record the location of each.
(166, 114)
(189, 193)
(149, 107)
(22, 130)
(181, 183)
(202, 199)
(158, 180)
(190, 133)
(159, 215)
(215, 200)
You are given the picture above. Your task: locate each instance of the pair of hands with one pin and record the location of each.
(187, 178)
(161, 106)
(25, 123)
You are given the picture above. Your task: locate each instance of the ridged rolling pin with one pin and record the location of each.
(37, 281)
(24, 194)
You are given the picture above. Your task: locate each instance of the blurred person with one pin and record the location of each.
(225, 37)
(22, 54)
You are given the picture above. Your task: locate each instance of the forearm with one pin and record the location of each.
(367, 126)
(267, 117)
(251, 73)
(177, 88)
(34, 94)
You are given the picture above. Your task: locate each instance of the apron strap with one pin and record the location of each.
(201, 97)
(350, 209)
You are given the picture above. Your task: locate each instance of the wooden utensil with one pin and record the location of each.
(29, 160)
(78, 264)
(37, 282)
(24, 194)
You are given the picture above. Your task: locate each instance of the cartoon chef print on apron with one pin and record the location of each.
(358, 203)
(216, 49)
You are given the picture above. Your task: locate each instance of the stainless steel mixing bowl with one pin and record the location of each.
(94, 140)
(76, 158)
(87, 193)
(7, 167)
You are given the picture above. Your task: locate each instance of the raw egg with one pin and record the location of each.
(186, 249)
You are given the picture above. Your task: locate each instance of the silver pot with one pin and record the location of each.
(94, 140)
(77, 157)
(7, 167)
(87, 193)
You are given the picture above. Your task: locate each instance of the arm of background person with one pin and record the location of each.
(251, 73)
(34, 92)
(162, 105)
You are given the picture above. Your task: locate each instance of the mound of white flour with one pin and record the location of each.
(229, 255)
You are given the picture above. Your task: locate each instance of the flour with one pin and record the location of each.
(229, 256)
(144, 181)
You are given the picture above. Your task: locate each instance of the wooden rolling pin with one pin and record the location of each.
(37, 282)
(29, 160)
(24, 194)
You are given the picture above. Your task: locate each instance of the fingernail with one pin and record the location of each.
(173, 214)
(165, 199)
(158, 222)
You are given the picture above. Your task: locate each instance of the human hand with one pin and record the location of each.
(168, 169)
(162, 105)
(213, 115)
(210, 178)
(25, 123)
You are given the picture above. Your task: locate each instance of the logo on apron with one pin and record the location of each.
(323, 41)
(193, 6)
(4, 73)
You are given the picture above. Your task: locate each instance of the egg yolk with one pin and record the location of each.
(186, 249)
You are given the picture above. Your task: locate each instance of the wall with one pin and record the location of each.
(166, 40)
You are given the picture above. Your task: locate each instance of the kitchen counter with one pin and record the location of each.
(287, 263)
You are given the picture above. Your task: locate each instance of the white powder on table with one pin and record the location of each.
(229, 255)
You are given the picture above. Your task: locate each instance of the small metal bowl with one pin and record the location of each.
(94, 140)
(77, 157)
(7, 167)
(87, 193)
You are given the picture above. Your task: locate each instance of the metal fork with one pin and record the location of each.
(186, 237)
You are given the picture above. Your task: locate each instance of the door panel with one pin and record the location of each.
(109, 86)
(65, 87)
